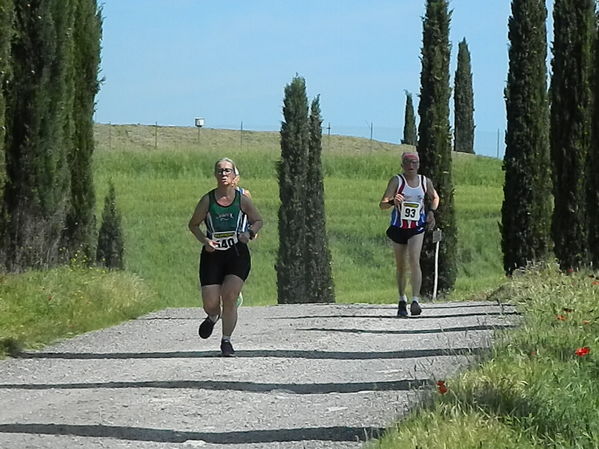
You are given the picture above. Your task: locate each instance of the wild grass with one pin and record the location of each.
(536, 390)
(38, 307)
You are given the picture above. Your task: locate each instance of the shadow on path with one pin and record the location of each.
(251, 387)
(172, 436)
(295, 353)
(489, 327)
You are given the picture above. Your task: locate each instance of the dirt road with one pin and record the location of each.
(304, 376)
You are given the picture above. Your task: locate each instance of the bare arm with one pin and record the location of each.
(389, 197)
(254, 218)
(199, 215)
(434, 197)
(432, 194)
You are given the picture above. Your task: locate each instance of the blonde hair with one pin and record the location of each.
(226, 159)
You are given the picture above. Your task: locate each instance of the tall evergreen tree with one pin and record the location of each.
(593, 165)
(463, 96)
(80, 221)
(36, 197)
(111, 246)
(434, 144)
(526, 209)
(6, 34)
(409, 127)
(292, 171)
(571, 111)
(319, 277)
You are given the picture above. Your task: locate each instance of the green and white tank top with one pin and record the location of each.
(223, 223)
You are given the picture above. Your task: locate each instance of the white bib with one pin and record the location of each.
(410, 211)
(225, 240)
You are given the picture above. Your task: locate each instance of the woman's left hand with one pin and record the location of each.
(244, 237)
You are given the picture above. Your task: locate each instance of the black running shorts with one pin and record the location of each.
(216, 265)
(401, 236)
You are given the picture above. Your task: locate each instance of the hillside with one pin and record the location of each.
(147, 137)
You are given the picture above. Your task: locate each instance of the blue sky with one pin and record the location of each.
(169, 61)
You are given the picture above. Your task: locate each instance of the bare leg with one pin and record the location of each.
(229, 292)
(211, 299)
(414, 250)
(401, 264)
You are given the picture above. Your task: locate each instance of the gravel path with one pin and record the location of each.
(304, 376)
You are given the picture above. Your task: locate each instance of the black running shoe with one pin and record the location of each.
(206, 327)
(402, 309)
(226, 348)
(415, 308)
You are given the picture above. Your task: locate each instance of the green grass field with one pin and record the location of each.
(157, 190)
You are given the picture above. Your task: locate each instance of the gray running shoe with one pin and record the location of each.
(226, 348)
(415, 308)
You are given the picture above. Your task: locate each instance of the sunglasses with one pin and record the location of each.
(224, 171)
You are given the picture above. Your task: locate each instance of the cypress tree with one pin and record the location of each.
(292, 169)
(36, 195)
(463, 97)
(409, 126)
(571, 97)
(593, 166)
(6, 34)
(110, 250)
(526, 209)
(319, 277)
(80, 221)
(434, 144)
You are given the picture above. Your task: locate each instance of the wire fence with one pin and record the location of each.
(486, 142)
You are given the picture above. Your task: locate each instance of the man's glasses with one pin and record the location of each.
(224, 171)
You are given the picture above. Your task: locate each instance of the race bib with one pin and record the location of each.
(410, 211)
(224, 240)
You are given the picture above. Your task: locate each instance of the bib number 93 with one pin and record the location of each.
(410, 211)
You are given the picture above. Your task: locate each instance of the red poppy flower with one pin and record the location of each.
(595, 283)
(570, 270)
(581, 352)
(561, 317)
(441, 387)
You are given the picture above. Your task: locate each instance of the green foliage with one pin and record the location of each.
(537, 389)
(410, 136)
(319, 277)
(304, 260)
(593, 165)
(571, 100)
(526, 206)
(434, 143)
(80, 223)
(37, 116)
(38, 307)
(463, 102)
(292, 193)
(6, 31)
(110, 250)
